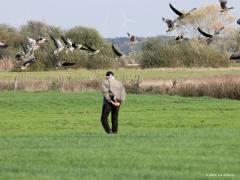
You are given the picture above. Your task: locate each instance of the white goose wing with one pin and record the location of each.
(56, 42)
(31, 41)
(69, 42)
(59, 43)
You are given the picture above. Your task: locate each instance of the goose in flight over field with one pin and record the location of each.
(92, 50)
(35, 44)
(25, 54)
(68, 43)
(29, 61)
(181, 38)
(41, 40)
(31, 42)
(181, 15)
(3, 45)
(132, 39)
(238, 21)
(170, 24)
(210, 37)
(58, 45)
(224, 7)
(79, 46)
(73, 46)
(64, 64)
(117, 52)
(235, 57)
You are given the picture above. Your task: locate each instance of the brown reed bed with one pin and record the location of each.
(6, 64)
(221, 86)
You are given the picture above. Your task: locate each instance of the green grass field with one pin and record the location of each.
(55, 135)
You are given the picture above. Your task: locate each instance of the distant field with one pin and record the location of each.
(124, 73)
(56, 135)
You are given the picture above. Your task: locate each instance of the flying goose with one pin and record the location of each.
(73, 46)
(31, 41)
(29, 62)
(132, 39)
(117, 52)
(33, 44)
(25, 54)
(210, 37)
(68, 43)
(235, 57)
(181, 15)
(170, 24)
(64, 64)
(238, 21)
(223, 4)
(92, 50)
(3, 45)
(79, 46)
(41, 40)
(181, 38)
(58, 45)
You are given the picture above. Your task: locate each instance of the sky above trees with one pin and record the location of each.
(112, 18)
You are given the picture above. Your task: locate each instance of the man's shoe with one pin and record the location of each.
(110, 132)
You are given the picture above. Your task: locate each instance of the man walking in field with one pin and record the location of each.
(114, 94)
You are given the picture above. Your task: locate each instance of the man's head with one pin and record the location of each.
(109, 75)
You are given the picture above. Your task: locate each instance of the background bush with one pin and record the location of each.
(47, 59)
(185, 54)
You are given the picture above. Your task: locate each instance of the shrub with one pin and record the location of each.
(186, 54)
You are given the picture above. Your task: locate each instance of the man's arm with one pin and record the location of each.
(105, 90)
(123, 93)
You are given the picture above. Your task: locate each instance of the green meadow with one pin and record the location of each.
(53, 135)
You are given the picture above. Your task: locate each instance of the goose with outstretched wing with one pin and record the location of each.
(58, 44)
(41, 40)
(132, 39)
(79, 46)
(29, 61)
(26, 53)
(224, 7)
(181, 38)
(170, 24)
(181, 15)
(35, 44)
(60, 64)
(210, 37)
(92, 50)
(68, 43)
(117, 52)
(235, 57)
(3, 45)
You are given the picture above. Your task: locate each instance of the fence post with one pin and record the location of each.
(62, 83)
(16, 83)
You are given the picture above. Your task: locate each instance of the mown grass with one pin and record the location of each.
(56, 135)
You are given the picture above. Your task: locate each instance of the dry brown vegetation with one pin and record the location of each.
(220, 86)
(6, 64)
(49, 84)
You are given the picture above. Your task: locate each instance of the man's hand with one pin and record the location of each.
(117, 104)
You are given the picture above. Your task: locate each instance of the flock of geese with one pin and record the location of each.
(65, 45)
(174, 24)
